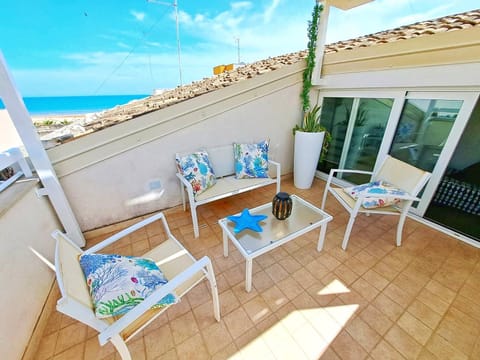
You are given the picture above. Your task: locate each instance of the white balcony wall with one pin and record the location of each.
(115, 174)
(26, 222)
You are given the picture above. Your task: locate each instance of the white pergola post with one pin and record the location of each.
(321, 37)
(38, 156)
(322, 31)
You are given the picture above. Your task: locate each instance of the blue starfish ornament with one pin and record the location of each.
(246, 221)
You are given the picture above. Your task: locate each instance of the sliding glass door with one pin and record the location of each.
(456, 201)
(420, 128)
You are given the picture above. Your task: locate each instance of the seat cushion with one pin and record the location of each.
(197, 170)
(376, 188)
(251, 160)
(119, 283)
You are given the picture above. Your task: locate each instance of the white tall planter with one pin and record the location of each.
(308, 146)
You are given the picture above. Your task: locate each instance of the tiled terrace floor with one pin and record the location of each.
(373, 301)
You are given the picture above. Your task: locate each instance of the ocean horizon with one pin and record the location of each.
(70, 105)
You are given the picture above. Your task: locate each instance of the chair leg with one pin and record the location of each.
(348, 230)
(401, 222)
(196, 231)
(213, 286)
(182, 191)
(121, 347)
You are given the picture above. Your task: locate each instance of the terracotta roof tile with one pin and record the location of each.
(424, 28)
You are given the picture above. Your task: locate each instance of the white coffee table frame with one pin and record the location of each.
(304, 218)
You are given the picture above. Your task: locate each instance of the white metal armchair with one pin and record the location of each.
(181, 269)
(409, 179)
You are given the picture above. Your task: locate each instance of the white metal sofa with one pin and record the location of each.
(222, 161)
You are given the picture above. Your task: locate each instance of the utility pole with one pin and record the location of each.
(238, 50)
(175, 5)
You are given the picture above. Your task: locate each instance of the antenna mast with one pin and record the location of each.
(175, 5)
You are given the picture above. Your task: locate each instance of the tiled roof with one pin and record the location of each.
(461, 21)
(121, 113)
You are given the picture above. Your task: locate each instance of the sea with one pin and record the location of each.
(70, 105)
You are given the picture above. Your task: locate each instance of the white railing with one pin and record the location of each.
(11, 157)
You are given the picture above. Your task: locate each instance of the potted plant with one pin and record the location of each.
(311, 138)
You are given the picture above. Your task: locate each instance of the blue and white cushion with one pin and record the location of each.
(197, 170)
(378, 187)
(119, 283)
(251, 160)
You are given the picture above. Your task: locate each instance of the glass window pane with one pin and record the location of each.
(335, 116)
(369, 127)
(423, 129)
(354, 146)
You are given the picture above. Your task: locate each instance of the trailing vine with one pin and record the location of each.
(311, 46)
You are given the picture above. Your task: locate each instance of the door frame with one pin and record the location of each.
(399, 97)
(469, 100)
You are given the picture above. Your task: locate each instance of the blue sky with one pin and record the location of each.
(90, 47)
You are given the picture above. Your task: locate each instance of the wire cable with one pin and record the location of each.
(140, 41)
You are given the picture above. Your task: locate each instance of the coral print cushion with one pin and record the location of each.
(251, 160)
(197, 170)
(377, 188)
(119, 283)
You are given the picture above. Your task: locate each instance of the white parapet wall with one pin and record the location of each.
(119, 172)
(26, 222)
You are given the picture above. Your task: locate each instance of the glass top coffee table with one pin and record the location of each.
(304, 217)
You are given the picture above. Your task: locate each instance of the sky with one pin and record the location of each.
(99, 47)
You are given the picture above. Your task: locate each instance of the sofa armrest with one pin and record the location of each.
(277, 171)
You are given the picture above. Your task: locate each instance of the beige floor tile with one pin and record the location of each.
(74, 353)
(282, 345)
(388, 307)
(304, 278)
(153, 346)
(46, 348)
(376, 319)
(364, 288)
(403, 342)
(228, 302)
(366, 336)
(373, 301)
(309, 340)
(433, 301)
(385, 351)
(276, 272)
(257, 309)
(348, 348)
(274, 297)
(238, 322)
(69, 336)
(443, 350)
(424, 313)
(229, 352)
(183, 327)
(204, 315)
(93, 349)
(261, 281)
(375, 279)
(414, 327)
(193, 348)
(290, 287)
(257, 349)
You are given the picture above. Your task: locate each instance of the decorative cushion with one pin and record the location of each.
(119, 283)
(251, 160)
(197, 170)
(375, 187)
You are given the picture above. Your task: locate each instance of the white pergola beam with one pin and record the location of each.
(38, 156)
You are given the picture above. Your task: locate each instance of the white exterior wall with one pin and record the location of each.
(120, 186)
(25, 225)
